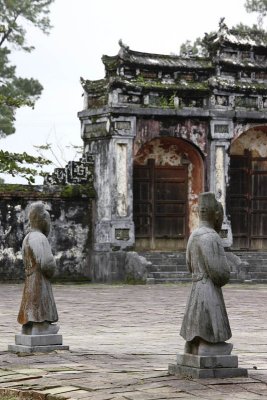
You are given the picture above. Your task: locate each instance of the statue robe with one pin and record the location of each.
(38, 304)
(205, 316)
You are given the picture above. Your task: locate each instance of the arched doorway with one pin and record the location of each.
(248, 190)
(168, 175)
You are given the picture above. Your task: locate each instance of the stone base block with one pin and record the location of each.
(191, 360)
(38, 340)
(16, 348)
(37, 344)
(189, 365)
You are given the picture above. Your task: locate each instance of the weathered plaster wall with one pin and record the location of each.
(70, 234)
(113, 228)
(171, 151)
(254, 140)
(240, 129)
(112, 152)
(220, 190)
(121, 177)
(195, 131)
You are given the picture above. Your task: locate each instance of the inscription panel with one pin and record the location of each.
(221, 128)
(123, 125)
(122, 234)
(95, 130)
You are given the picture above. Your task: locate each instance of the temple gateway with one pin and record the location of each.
(163, 128)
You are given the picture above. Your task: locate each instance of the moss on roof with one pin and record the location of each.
(238, 85)
(247, 64)
(97, 87)
(136, 58)
(243, 38)
(159, 85)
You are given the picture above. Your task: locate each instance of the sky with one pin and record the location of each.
(84, 30)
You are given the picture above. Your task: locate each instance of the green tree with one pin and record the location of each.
(21, 164)
(16, 91)
(258, 6)
(195, 48)
(200, 47)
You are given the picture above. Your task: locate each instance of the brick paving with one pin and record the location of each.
(122, 339)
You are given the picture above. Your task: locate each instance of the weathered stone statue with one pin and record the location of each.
(38, 309)
(38, 312)
(205, 325)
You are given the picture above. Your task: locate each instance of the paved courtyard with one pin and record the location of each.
(121, 340)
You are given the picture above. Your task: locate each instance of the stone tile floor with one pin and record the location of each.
(121, 340)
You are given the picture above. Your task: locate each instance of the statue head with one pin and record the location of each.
(39, 217)
(207, 207)
(210, 210)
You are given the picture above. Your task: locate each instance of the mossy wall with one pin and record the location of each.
(70, 209)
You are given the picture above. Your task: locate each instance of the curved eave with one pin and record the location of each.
(110, 62)
(236, 64)
(95, 87)
(245, 42)
(170, 63)
(237, 41)
(238, 86)
(150, 60)
(158, 86)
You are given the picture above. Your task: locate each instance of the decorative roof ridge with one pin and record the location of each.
(237, 84)
(118, 80)
(95, 86)
(125, 52)
(253, 31)
(96, 81)
(236, 36)
(129, 51)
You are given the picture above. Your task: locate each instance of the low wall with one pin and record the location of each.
(70, 237)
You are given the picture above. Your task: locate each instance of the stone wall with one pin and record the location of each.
(70, 237)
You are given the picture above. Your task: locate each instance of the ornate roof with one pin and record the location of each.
(235, 85)
(234, 62)
(243, 37)
(137, 58)
(237, 65)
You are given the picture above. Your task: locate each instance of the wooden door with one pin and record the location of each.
(248, 201)
(258, 223)
(160, 206)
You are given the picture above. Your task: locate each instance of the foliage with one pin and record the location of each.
(258, 6)
(17, 164)
(16, 91)
(196, 48)
(200, 47)
(240, 30)
(13, 12)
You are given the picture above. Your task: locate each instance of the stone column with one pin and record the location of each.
(110, 140)
(122, 226)
(221, 133)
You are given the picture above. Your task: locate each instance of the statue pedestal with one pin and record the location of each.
(189, 365)
(37, 343)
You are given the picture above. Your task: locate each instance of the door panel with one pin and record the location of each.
(160, 213)
(248, 201)
(142, 201)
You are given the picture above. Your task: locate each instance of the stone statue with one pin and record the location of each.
(38, 309)
(205, 325)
